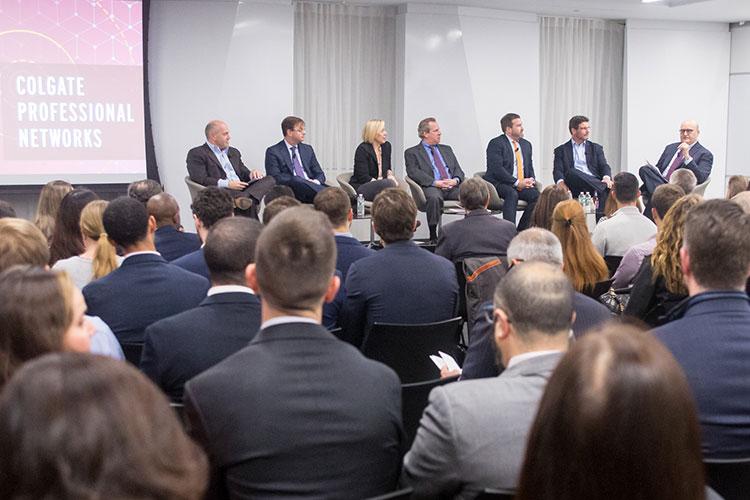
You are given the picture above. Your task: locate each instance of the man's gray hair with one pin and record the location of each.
(536, 244)
(684, 178)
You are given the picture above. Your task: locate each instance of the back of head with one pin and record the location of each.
(277, 191)
(743, 200)
(614, 395)
(211, 205)
(665, 196)
(6, 210)
(545, 205)
(49, 203)
(82, 426)
(474, 194)
(126, 221)
(92, 226)
(736, 185)
(685, 178)
(394, 214)
(66, 238)
(625, 187)
(144, 189)
(536, 244)
(229, 248)
(717, 239)
(665, 259)
(164, 208)
(21, 242)
(335, 203)
(277, 206)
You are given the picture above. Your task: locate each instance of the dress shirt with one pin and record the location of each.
(519, 358)
(579, 157)
(625, 228)
(684, 160)
(229, 289)
(145, 252)
(513, 153)
(282, 320)
(347, 233)
(631, 263)
(221, 156)
(435, 171)
(289, 148)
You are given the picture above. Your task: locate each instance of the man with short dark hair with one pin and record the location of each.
(277, 191)
(145, 288)
(626, 226)
(510, 170)
(171, 242)
(298, 412)
(401, 283)
(473, 434)
(277, 206)
(182, 346)
(479, 233)
(144, 189)
(709, 333)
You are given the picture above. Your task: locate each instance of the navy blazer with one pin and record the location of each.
(180, 347)
(194, 262)
(701, 165)
(595, 160)
(206, 170)
(279, 163)
(366, 163)
(144, 289)
(300, 414)
(500, 158)
(173, 244)
(419, 167)
(349, 250)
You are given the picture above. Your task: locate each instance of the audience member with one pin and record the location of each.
(548, 200)
(209, 206)
(473, 434)
(435, 168)
(98, 258)
(613, 396)
(401, 283)
(736, 185)
(659, 284)
(170, 240)
(78, 426)
(743, 200)
(144, 189)
(276, 192)
(182, 346)
(6, 210)
(372, 162)
(298, 412)
(685, 179)
(709, 334)
(662, 200)
(145, 288)
(581, 262)
(66, 238)
(479, 234)
(277, 206)
(626, 226)
(48, 205)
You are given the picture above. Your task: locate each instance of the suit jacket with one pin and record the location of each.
(366, 163)
(180, 347)
(144, 289)
(279, 163)
(194, 262)
(473, 434)
(206, 170)
(419, 166)
(299, 413)
(400, 284)
(479, 234)
(500, 158)
(595, 160)
(701, 165)
(348, 251)
(711, 341)
(173, 244)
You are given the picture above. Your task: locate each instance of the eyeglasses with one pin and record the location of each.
(487, 312)
(686, 130)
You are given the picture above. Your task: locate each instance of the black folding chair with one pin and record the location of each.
(132, 351)
(613, 262)
(729, 478)
(414, 398)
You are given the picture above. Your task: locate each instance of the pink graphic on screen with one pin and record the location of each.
(71, 88)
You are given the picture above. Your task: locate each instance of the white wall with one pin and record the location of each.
(676, 71)
(738, 162)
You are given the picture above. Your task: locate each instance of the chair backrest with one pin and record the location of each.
(613, 262)
(493, 494)
(701, 188)
(481, 274)
(403, 494)
(193, 187)
(407, 348)
(598, 289)
(461, 289)
(416, 193)
(729, 478)
(414, 398)
(132, 351)
(343, 180)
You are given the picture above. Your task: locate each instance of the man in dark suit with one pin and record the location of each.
(401, 283)
(171, 242)
(580, 164)
(511, 171)
(434, 167)
(182, 346)
(145, 288)
(298, 412)
(709, 333)
(216, 163)
(209, 207)
(293, 163)
(479, 234)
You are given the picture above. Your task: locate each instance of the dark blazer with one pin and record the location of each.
(711, 340)
(479, 234)
(419, 166)
(206, 170)
(500, 158)
(349, 250)
(173, 244)
(180, 347)
(649, 299)
(595, 160)
(400, 284)
(299, 413)
(144, 289)
(194, 262)
(366, 163)
(279, 163)
(701, 165)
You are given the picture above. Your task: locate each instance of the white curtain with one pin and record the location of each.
(581, 74)
(344, 74)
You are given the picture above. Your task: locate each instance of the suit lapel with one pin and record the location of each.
(426, 163)
(569, 160)
(233, 161)
(215, 162)
(284, 151)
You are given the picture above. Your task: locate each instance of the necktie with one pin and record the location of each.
(519, 163)
(439, 164)
(298, 171)
(228, 168)
(676, 163)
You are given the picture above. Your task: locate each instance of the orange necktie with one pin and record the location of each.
(519, 163)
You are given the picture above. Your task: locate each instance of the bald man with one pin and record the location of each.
(216, 163)
(169, 239)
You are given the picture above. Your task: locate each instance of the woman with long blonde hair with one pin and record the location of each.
(372, 161)
(48, 205)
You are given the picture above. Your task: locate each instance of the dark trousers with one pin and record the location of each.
(579, 182)
(652, 179)
(371, 189)
(435, 197)
(510, 196)
(305, 190)
(256, 190)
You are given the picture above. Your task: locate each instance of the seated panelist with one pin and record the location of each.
(372, 161)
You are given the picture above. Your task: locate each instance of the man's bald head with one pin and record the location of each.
(689, 131)
(217, 133)
(165, 210)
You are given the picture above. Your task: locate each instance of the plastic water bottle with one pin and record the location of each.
(360, 206)
(581, 200)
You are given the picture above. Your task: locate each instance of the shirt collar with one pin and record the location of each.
(145, 252)
(282, 320)
(290, 146)
(215, 148)
(577, 145)
(347, 233)
(214, 290)
(528, 355)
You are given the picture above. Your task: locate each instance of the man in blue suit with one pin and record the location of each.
(511, 171)
(292, 163)
(709, 332)
(171, 242)
(145, 288)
